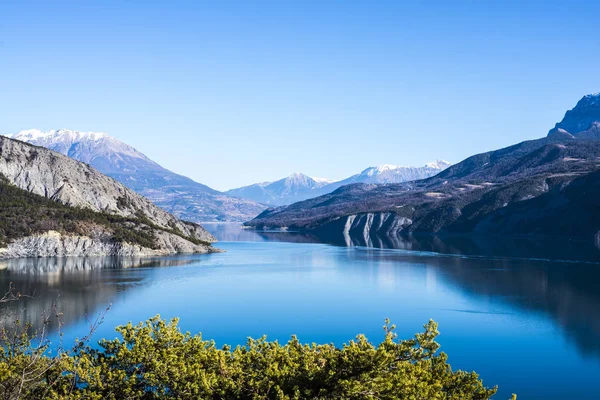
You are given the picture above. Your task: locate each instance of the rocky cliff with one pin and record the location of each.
(57, 244)
(100, 214)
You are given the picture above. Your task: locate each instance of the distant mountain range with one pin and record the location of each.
(387, 173)
(288, 190)
(298, 187)
(177, 194)
(547, 187)
(193, 201)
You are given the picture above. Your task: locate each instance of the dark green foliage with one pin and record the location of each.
(23, 214)
(123, 203)
(176, 231)
(141, 218)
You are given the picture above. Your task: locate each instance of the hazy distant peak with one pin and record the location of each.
(83, 146)
(305, 179)
(381, 169)
(54, 136)
(57, 134)
(439, 164)
(389, 168)
(298, 178)
(298, 186)
(298, 175)
(294, 187)
(322, 180)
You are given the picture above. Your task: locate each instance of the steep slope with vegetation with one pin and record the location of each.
(547, 186)
(52, 205)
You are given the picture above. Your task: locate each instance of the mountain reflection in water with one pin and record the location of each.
(568, 292)
(81, 287)
(500, 300)
(558, 277)
(466, 245)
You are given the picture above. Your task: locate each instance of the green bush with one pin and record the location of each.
(155, 360)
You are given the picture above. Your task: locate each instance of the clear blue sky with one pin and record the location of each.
(230, 93)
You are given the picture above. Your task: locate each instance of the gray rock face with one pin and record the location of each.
(52, 175)
(177, 194)
(370, 225)
(579, 120)
(60, 178)
(55, 244)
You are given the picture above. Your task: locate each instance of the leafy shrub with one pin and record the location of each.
(155, 360)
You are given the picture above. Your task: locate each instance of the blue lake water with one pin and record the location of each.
(529, 325)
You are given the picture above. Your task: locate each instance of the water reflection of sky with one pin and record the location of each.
(531, 326)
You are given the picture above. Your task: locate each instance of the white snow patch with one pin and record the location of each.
(322, 180)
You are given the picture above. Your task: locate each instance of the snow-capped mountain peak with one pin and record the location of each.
(297, 175)
(297, 186)
(96, 148)
(301, 181)
(83, 146)
(388, 173)
(294, 187)
(57, 135)
(193, 202)
(438, 164)
(380, 169)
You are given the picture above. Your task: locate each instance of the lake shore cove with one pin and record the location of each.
(155, 360)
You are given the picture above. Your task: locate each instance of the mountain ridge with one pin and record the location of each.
(482, 194)
(175, 193)
(294, 187)
(298, 187)
(388, 173)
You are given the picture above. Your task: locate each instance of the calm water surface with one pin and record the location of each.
(529, 325)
